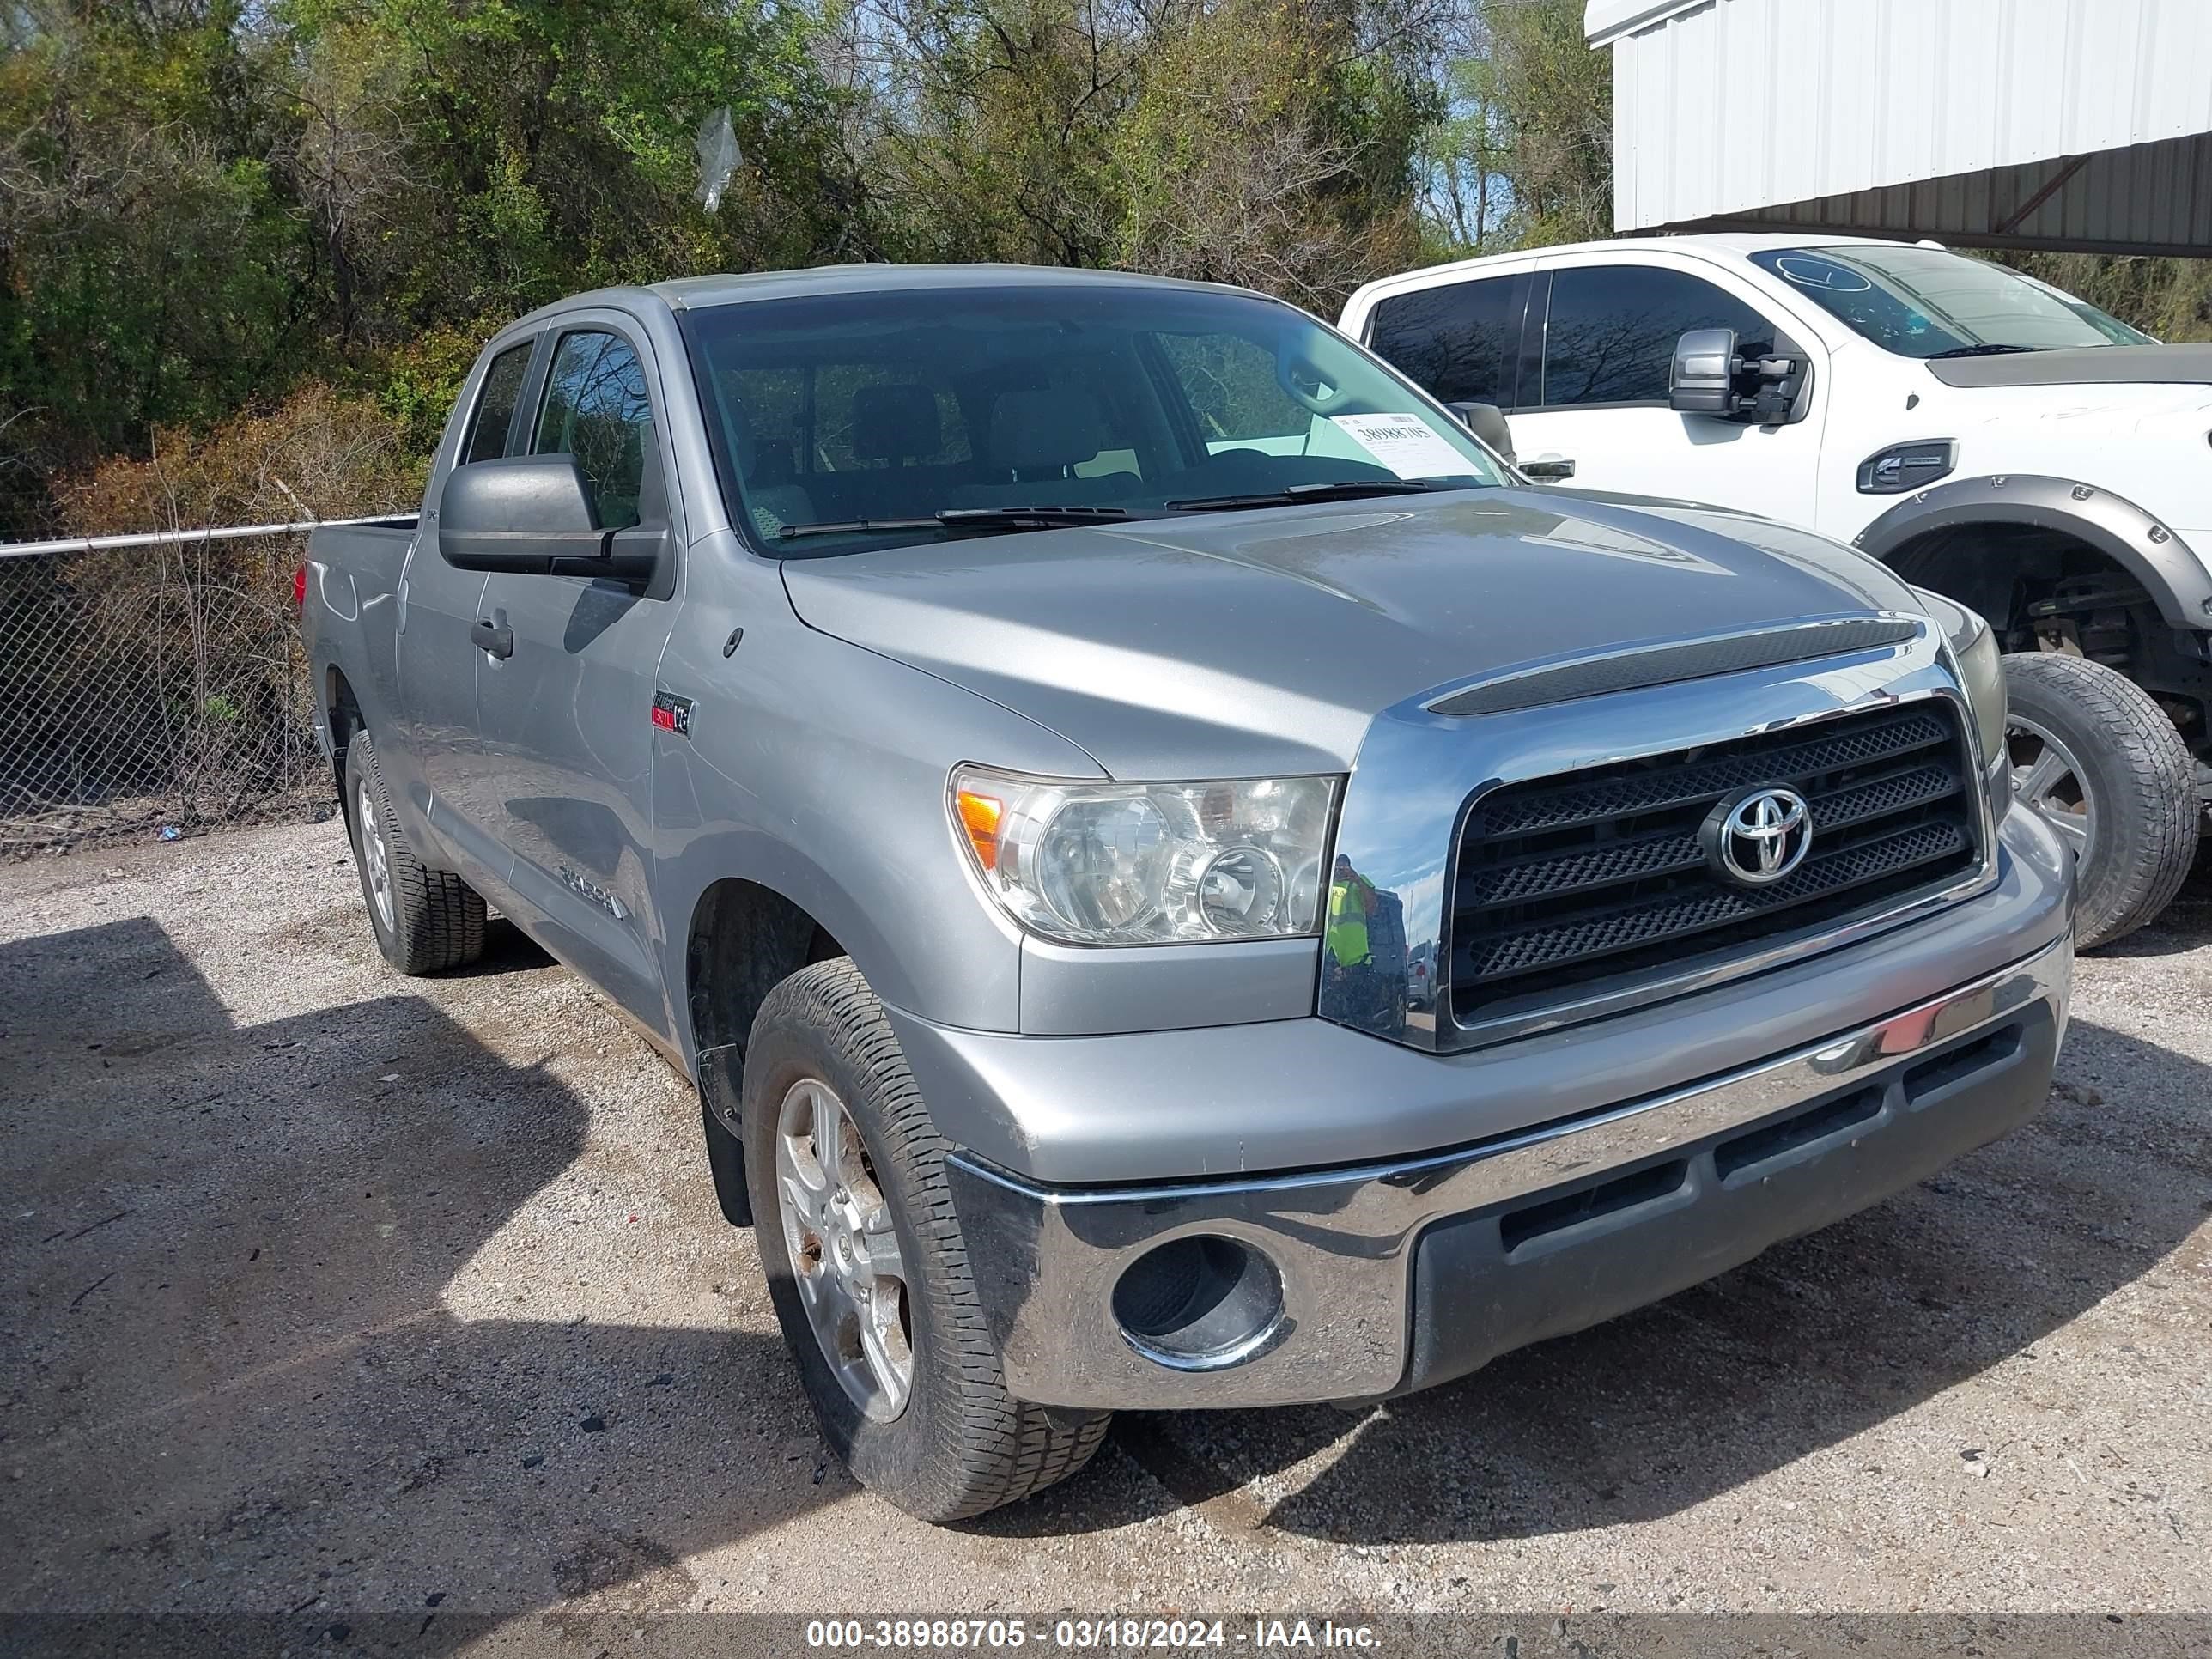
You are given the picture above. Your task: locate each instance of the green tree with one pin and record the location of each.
(1266, 141)
(1272, 145)
(1524, 156)
(152, 270)
(205, 204)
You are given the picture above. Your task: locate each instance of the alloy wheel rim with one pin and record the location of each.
(379, 862)
(2049, 782)
(844, 1250)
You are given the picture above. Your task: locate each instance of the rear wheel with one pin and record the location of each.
(425, 919)
(2098, 762)
(867, 1267)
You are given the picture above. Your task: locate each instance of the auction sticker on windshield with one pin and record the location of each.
(1406, 444)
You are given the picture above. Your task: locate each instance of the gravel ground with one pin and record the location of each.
(331, 1293)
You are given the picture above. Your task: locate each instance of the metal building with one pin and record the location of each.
(2082, 124)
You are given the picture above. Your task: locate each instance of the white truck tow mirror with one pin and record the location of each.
(1703, 380)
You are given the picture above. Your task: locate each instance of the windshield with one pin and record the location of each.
(866, 420)
(2104, 322)
(1930, 302)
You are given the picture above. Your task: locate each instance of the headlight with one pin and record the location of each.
(1981, 671)
(1148, 863)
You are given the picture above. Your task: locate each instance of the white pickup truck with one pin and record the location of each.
(1988, 436)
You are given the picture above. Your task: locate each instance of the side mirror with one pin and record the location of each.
(531, 515)
(1487, 422)
(1703, 380)
(1709, 376)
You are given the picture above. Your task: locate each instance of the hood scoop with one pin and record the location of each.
(1637, 668)
(2151, 365)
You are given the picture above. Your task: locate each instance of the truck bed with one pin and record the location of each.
(372, 554)
(349, 616)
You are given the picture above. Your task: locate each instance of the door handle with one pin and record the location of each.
(1551, 466)
(495, 638)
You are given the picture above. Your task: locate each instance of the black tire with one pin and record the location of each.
(435, 920)
(2133, 774)
(961, 1445)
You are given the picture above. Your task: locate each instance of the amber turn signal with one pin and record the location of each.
(979, 816)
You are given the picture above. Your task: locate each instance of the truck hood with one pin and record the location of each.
(1265, 642)
(2132, 418)
(2151, 365)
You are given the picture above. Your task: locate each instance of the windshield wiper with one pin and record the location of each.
(1343, 490)
(1981, 351)
(966, 517)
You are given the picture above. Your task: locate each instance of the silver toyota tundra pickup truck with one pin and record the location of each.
(1179, 880)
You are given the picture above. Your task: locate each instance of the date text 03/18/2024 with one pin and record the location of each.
(1113, 1633)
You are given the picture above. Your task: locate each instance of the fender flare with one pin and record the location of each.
(2164, 565)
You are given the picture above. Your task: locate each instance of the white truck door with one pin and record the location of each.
(1604, 328)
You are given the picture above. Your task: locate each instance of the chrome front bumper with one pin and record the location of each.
(1400, 1274)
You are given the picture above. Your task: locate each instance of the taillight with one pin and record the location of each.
(300, 587)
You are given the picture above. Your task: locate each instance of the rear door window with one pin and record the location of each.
(1462, 341)
(1609, 336)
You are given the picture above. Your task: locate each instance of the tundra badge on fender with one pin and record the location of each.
(672, 713)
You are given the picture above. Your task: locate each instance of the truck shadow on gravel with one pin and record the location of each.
(507, 949)
(234, 1385)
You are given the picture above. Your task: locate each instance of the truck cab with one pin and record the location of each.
(1988, 435)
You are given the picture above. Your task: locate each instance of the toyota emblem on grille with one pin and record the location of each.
(1758, 837)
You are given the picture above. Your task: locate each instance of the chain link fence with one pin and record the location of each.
(153, 691)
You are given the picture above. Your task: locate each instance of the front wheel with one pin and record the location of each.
(867, 1267)
(2098, 761)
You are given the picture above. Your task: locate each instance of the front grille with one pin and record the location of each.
(1581, 881)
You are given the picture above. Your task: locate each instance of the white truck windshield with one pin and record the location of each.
(1930, 302)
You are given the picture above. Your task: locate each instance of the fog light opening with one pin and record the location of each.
(1200, 1303)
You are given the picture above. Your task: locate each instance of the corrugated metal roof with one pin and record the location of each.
(2074, 123)
(1604, 21)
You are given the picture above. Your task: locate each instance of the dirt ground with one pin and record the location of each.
(329, 1293)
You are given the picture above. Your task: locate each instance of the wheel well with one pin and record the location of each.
(346, 720)
(745, 939)
(2045, 589)
(2003, 570)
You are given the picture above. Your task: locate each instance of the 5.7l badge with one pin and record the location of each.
(672, 713)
